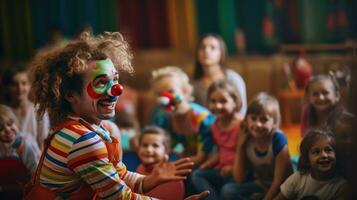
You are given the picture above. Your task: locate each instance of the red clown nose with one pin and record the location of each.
(116, 90)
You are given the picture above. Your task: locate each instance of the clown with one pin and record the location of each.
(79, 86)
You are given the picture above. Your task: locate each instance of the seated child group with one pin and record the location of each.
(237, 147)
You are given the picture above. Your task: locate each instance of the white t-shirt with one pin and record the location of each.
(300, 185)
(34, 128)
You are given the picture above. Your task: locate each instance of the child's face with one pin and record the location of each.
(260, 125)
(151, 149)
(322, 95)
(20, 87)
(322, 156)
(8, 131)
(209, 52)
(221, 103)
(94, 104)
(169, 84)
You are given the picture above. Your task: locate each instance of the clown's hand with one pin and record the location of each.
(199, 196)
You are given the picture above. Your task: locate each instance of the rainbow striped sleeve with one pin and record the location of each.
(203, 120)
(83, 152)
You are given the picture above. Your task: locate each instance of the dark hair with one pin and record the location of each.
(312, 119)
(8, 79)
(263, 102)
(308, 141)
(198, 70)
(157, 131)
(230, 88)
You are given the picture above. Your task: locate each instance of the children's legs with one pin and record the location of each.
(239, 191)
(209, 179)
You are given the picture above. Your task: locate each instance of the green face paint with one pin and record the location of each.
(103, 68)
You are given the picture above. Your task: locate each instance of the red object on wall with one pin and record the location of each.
(302, 70)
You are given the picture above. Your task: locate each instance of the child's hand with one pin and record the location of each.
(205, 165)
(226, 170)
(210, 162)
(243, 134)
(199, 196)
(167, 171)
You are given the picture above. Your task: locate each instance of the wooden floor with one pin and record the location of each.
(292, 132)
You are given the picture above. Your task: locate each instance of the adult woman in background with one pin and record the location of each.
(211, 66)
(17, 89)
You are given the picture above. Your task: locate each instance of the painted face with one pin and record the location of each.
(95, 103)
(20, 87)
(151, 149)
(168, 85)
(221, 103)
(8, 131)
(209, 52)
(260, 125)
(322, 156)
(111, 87)
(322, 95)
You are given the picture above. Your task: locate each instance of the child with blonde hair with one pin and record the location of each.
(225, 102)
(188, 123)
(18, 155)
(262, 151)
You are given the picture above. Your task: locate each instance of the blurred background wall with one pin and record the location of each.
(248, 26)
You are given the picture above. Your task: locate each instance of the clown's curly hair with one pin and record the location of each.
(58, 71)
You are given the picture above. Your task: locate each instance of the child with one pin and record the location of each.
(261, 150)
(210, 66)
(17, 88)
(317, 176)
(18, 156)
(154, 147)
(223, 101)
(322, 97)
(189, 124)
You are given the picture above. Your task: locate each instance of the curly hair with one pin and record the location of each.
(56, 72)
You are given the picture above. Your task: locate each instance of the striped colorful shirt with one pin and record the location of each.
(76, 154)
(192, 134)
